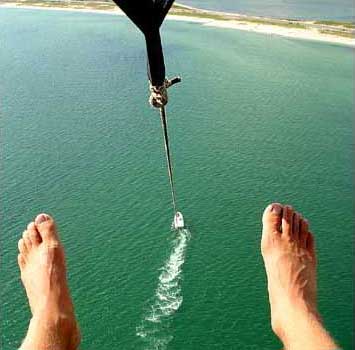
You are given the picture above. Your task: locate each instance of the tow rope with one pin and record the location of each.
(148, 16)
(158, 99)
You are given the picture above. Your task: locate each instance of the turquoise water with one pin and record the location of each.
(256, 119)
(342, 10)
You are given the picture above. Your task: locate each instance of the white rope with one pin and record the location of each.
(158, 99)
(164, 125)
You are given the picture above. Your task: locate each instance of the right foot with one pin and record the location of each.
(43, 273)
(289, 254)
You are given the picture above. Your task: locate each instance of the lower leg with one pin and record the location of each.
(304, 330)
(42, 263)
(290, 261)
(49, 333)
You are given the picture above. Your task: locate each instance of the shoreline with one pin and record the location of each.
(335, 32)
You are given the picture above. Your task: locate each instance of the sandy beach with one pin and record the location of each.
(306, 34)
(306, 31)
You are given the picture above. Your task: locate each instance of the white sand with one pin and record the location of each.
(295, 33)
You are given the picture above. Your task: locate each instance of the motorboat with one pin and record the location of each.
(178, 221)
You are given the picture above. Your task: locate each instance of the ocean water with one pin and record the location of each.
(256, 119)
(341, 10)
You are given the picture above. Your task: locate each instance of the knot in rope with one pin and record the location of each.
(159, 94)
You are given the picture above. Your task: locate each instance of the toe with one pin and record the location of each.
(272, 218)
(271, 226)
(46, 227)
(22, 246)
(33, 234)
(26, 240)
(21, 261)
(304, 232)
(287, 222)
(310, 245)
(296, 226)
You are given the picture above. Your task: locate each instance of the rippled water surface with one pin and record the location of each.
(256, 119)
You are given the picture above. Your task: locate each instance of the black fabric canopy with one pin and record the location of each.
(148, 16)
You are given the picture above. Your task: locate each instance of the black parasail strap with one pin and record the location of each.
(148, 16)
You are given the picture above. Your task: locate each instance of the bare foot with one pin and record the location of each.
(43, 273)
(289, 254)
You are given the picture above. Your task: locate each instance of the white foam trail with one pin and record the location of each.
(154, 328)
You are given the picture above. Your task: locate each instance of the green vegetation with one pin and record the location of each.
(280, 23)
(337, 33)
(183, 11)
(336, 23)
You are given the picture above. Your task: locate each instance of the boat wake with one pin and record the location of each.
(154, 329)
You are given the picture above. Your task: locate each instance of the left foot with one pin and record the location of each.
(42, 263)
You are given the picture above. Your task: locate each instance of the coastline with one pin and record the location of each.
(305, 30)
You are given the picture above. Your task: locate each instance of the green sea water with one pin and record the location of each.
(257, 118)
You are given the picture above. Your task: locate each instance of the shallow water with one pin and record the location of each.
(341, 10)
(256, 119)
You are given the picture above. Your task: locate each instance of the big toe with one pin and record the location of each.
(46, 227)
(271, 226)
(272, 218)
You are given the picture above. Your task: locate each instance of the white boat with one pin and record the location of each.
(178, 221)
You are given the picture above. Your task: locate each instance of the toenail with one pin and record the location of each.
(41, 218)
(276, 209)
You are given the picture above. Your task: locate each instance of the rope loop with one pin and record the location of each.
(159, 94)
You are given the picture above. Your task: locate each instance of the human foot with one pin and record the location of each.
(289, 255)
(43, 273)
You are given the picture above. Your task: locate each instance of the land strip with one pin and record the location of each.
(328, 31)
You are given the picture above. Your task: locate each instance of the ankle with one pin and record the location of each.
(58, 330)
(290, 317)
(301, 328)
